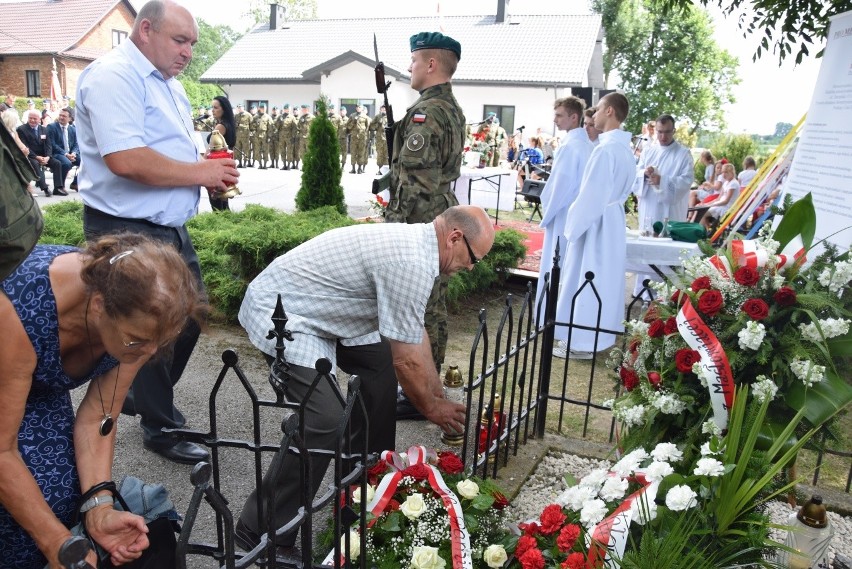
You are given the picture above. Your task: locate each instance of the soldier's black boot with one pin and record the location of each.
(352, 171)
(250, 164)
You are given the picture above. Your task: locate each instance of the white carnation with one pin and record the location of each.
(593, 512)
(764, 388)
(614, 488)
(576, 496)
(711, 428)
(657, 470)
(709, 467)
(594, 479)
(751, 337)
(644, 510)
(707, 451)
(807, 371)
(666, 452)
(629, 462)
(680, 498)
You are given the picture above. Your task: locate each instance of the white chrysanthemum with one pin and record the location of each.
(593, 511)
(807, 371)
(709, 467)
(669, 404)
(644, 510)
(831, 328)
(711, 428)
(764, 388)
(614, 488)
(836, 276)
(595, 479)
(751, 337)
(666, 452)
(680, 498)
(574, 497)
(657, 470)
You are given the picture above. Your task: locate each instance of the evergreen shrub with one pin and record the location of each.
(321, 170)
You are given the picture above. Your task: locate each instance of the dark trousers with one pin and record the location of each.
(66, 167)
(374, 365)
(152, 393)
(55, 167)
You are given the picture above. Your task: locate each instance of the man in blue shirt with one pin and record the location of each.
(142, 173)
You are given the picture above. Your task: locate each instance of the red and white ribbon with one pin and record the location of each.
(714, 361)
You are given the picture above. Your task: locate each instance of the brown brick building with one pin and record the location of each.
(73, 33)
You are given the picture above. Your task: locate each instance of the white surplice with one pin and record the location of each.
(675, 166)
(563, 185)
(595, 233)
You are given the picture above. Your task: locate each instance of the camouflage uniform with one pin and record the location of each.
(342, 135)
(242, 146)
(303, 130)
(261, 125)
(500, 137)
(358, 127)
(380, 121)
(289, 144)
(272, 138)
(253, 150)
(427, 156)
(283, 140)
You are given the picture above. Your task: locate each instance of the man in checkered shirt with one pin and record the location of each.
(357, 297)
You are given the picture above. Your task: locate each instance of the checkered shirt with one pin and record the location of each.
(351, 284)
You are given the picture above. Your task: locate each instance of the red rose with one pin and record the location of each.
(756, 308)
(500, 501)
(530, 528)
(710, 302)
(525, 543)
(450, 462)
(552, 519)
(634, 345)
(684, 358)
(568, 537)
(418, 472)
(393, 505)
(671, 325)
(746, 276)
(657, 329)
(574, 561)
(532, 559)
(701, 283)
(629, 379)
(378, 469)
(677, 297)
(654, 379)
(785, 296)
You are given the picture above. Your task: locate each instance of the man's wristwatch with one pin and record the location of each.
(96, 501)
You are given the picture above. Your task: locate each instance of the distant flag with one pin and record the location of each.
(55, 87)
(440, 18)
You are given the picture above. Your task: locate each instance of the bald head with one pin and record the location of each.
(465, 235)
(165, 31)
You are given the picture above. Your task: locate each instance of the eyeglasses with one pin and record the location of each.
(473, 259)
(664, 131)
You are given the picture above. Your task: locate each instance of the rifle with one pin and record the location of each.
(382, 85)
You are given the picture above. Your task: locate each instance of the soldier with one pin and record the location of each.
(500, 139)
(342, 136)
(490, 131)
(293, 136)
(380, 121)
(334, 118)
(283, 136)
(261, 142)
(358, 127)
(242, 148)
(272, 138)
(253, 150)
(304, 128)
(427, 156)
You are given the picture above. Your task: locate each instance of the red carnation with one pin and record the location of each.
(684, 358)
(657, 329)
(450, 462)
(701, 283)
(756, 308)
(530, 528)
(568, 537)
(746, 276)
(574, 561)
(525, 543)
(654, 379)
(532, 559)
(629, 379)
(710, 302)
(552, 519)
(785, 296)
(418, 472)
(500, 501)
(671, 325)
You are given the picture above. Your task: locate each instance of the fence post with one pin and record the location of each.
(546, 361)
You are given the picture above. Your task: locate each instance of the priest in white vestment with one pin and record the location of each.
(664, 175)
(595, 233)
(569, 163)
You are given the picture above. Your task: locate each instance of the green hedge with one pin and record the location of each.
(233, 247)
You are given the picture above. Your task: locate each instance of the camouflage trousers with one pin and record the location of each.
(342, 142)
(261, 149)
(242, 148)
(435, 321)
(303, 147)
(359, 151)
(273, 149)
(381, 151)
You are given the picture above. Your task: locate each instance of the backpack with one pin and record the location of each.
(20, 217)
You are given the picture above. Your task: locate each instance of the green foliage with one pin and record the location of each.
(782, 129)
(508, 249)
(296, 9)
(667, 64)
(321, 170)
(686, 135)
(213, 42)
(63, 224)
(734, 147)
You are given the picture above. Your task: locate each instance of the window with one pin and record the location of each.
(118, 36)
(33, 83)
(256, 103)
(506, 115)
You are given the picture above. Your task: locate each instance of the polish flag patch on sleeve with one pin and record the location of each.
(418, 118)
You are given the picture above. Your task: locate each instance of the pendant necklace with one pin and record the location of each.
(107, 423)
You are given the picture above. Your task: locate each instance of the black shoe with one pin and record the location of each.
(60, 192)
(405, 410)
(352, 171)
(73, 186)
(46, 191)
(246, 539)
(182, 452)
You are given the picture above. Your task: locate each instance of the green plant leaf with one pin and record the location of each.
(483, 502)
(799, 219)
(769, 432)
(841, 346)
(391, 523)
(471, 523)
(822, 400)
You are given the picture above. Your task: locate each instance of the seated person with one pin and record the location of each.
(729, 193)
(707, 191)
(35, 137)
(531, 156)
(709, 162)
(749, 172)
(64, 147)
(72, 317)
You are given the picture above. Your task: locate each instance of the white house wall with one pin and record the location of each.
(277, 95)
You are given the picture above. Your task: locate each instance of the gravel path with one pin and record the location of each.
(547, 482)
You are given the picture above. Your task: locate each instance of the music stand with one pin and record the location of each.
(531, 191)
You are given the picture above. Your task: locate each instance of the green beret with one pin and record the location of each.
(306, 106)
(331, 107)
(286, 107)
(435, 40)
(262, 105)
(274, 108)
(254, 107)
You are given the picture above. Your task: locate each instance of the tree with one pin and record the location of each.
(296, 9)
(734, 147)
(321, 170)
(782, 23)
(782, 129)
(668, 64)
(213, 42)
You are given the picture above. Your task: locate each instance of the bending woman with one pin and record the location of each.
(71, 317)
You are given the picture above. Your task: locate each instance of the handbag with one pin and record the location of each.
(150, 501)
